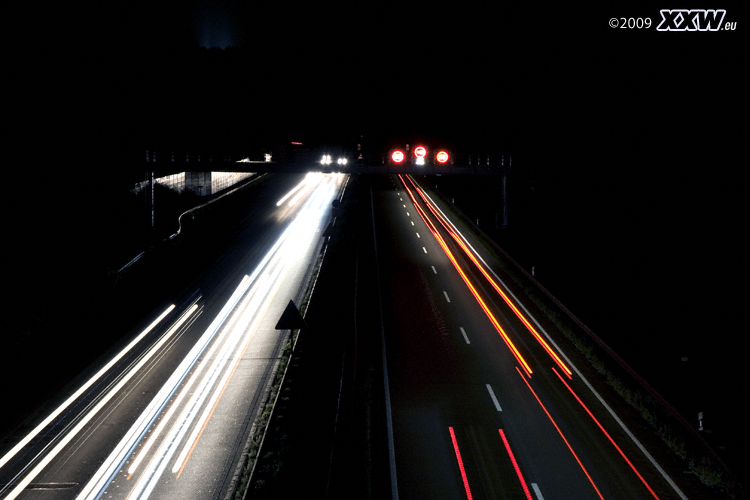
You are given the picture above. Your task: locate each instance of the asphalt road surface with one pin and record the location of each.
(484, 403)
(166, 413)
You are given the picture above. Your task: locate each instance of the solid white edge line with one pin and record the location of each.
(386, 383)
(494, 399)
(601, 400)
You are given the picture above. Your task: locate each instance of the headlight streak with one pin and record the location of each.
(175, 404)
(492, 282)
(294, 200)
(290, 193)
(143, 489)
(516, 353)
(201, 425)
(606, 433)
(237, 322)
(591, 480)
(253, 313)
(31, 435)
(124, 448)
(147, 482)
(102, 402)
(311, 178)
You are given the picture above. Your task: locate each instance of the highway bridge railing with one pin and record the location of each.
(476, 164)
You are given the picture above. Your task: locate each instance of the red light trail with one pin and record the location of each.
(515, 466)
(460, 463)
(606, 434)
(561, 435)
(473, 290)
(484, 272)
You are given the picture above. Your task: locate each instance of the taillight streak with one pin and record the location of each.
(562, 436)
(515, 465)
(460, 463)
(473, 290)
(606, 433)
(492, 282)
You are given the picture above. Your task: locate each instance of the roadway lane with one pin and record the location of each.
(169, 418)
(474, 414)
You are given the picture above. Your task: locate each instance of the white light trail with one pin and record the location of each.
(31, 435)
(92, 413)
(257, 315)
(185, 390)
(128, 442)
(229, 335)
(269, 279)
(309, 178)
(290, 193)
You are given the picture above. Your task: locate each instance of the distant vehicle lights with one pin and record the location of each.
(327, 160)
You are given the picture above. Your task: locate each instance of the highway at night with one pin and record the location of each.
(481, 395)
(167, 415)
(484, 402)
(512, 236)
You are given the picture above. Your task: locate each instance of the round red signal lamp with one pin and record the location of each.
(420, 151)
(442, 157)
(397, 156)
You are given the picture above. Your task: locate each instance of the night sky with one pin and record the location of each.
(625, 141)
(543, 81)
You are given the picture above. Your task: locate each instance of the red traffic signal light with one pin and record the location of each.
(442, 156)
(397, 156)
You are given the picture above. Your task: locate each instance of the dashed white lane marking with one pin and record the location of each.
(536, 491)
(412, 223)
(463, 332)
(418, 235)
(425, 250)
(446, 296)
(433, 269)
(585, 381)
(494, 399)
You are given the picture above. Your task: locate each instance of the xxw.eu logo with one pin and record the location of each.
(691, 20)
